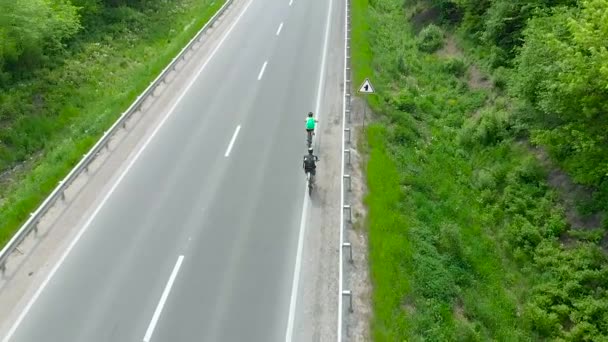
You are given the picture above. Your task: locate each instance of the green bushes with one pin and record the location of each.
(489, 128)
(31, 30)
(552, 55)
(51, 114)
(430, 38)
(467, 240)
(561, 70)
(404, 101)
(570, 304)
(455, 66)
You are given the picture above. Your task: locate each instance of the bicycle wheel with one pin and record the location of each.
(309, 181)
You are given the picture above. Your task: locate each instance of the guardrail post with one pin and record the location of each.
(35, 224)
(107, 144)
(350, 212)
(349, 294)
(347, 151)
(350, 250)
(347, 130)
(62, 192)
(349, 181)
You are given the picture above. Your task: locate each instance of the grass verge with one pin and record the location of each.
(466, 237)
(100, 77)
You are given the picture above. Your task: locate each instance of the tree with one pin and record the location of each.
(563, 70)
(31, 28)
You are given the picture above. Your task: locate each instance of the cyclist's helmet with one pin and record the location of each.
(310, 150)
(310, 114)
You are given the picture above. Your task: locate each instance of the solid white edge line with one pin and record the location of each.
(120, 178)
(296, 273)
(279, 30)
(290, 2)
(236, 132)
(340, 257)
(262, 70)
(163, 299)
(298, 263)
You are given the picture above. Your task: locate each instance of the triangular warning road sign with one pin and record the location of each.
(366, 87)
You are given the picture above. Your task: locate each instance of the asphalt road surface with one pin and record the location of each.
(197, 239)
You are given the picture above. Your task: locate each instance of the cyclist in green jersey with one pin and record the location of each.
(310, 128)
(310, 123)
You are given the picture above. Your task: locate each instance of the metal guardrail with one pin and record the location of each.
(346, 111)
(58, 192)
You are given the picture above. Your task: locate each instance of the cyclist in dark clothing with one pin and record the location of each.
(309, 163)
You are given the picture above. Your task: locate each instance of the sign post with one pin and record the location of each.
(366, 88)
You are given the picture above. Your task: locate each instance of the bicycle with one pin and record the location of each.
(310, 179)
(309, 137)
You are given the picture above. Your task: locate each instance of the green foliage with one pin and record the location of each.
(467, 240)
(501, 78)
(390, 243)
(51, 115)
(496, 24)
(563, 71)
(360, 31)
(552, 55)
(31, 29)
(571, 300)
(430, 38)
(455, 66)
(490, 127)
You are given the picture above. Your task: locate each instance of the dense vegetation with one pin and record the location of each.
(468, 241)
(553, 55)
(68, 68)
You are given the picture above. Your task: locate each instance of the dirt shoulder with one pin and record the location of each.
(357, 271)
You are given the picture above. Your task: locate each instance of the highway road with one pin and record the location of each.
(197, 239)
